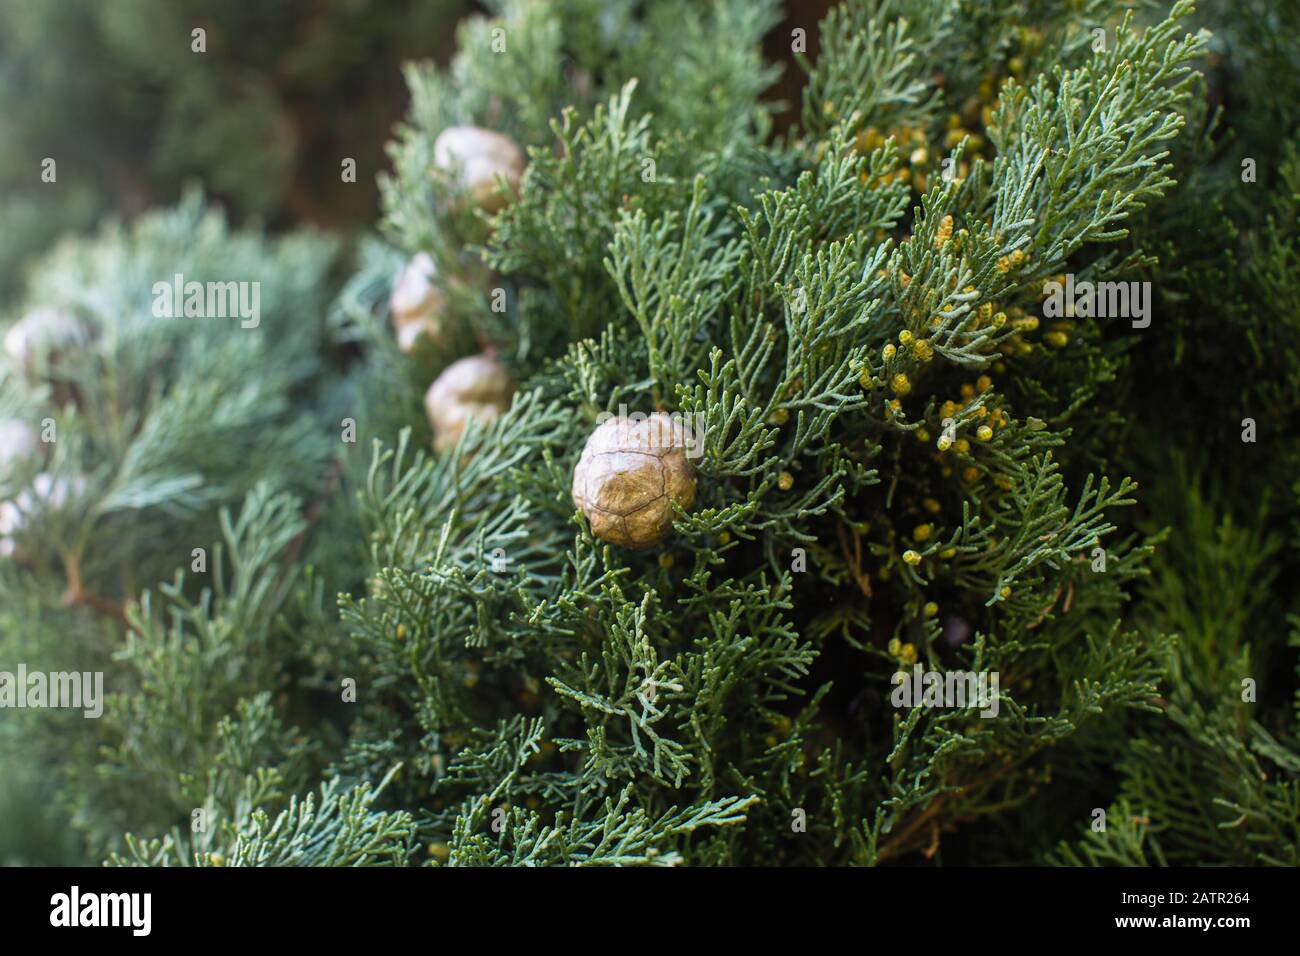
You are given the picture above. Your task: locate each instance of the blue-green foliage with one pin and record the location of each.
(905, 461)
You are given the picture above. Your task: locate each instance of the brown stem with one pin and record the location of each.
(77, 596)
(854, 560)
(900, 839)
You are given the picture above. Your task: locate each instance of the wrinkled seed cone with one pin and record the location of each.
(417, 304)
(629, 476)
(43, 332)
(477, 387)
(475, 157)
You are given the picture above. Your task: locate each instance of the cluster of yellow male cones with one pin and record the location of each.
(474, 162)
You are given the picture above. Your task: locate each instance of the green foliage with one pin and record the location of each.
(161, 427)
(116, 95)
(905, 462)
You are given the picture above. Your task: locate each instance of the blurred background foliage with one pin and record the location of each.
(115, 94)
